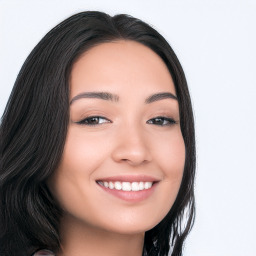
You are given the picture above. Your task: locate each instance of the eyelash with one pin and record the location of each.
(165, 121)
(87, 119)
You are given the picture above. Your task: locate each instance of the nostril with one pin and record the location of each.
(132, 151)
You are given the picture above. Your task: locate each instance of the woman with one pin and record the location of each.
(97, 144)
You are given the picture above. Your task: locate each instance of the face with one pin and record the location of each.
(124, 154)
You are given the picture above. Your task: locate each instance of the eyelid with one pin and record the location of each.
(163, 119)
(171, 121)
(83, 121)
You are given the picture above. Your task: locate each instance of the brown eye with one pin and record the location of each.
(94, 120)
(161, 121)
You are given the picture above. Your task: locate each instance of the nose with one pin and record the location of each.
(131, 146)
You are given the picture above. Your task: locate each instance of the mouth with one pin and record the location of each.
(126, 186)
(129, 188)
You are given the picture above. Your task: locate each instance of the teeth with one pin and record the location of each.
(141, 185)
(111, 185)
(148, 185)
(105, 184)
(135, 186)
(127, 186)
(118, 185)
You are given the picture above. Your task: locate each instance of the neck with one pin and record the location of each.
(79, 239)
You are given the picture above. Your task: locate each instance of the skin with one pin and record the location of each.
(127, 141)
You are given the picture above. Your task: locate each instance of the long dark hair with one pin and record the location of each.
(34, 127)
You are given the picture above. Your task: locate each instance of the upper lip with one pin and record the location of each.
(130, 178)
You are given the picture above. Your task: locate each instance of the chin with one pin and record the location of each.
(132, 225)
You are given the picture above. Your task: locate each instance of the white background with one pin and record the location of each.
(215, 42)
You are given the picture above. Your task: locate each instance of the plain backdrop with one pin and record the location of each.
(215, 42)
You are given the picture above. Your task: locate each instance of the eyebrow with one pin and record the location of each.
(96, 95)
(113, 97)
(160, 96)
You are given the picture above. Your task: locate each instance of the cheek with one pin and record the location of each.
(174, 162)
(73, 178)
(171, 160)
(170, 155)
(83, 153)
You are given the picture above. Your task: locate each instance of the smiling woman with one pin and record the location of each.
(97, 144)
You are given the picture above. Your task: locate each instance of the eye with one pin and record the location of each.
(162, 121)
(94, 120)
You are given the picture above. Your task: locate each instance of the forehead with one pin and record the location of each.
(119, 64)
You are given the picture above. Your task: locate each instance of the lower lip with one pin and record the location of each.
(131, 196)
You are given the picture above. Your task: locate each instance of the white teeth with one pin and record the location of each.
(111, 185)
(148, 185)
(127, 186)
(118, 185)
(135, 186)
(141, 185)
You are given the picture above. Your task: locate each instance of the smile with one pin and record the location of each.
(130, 188)
(126, 186)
